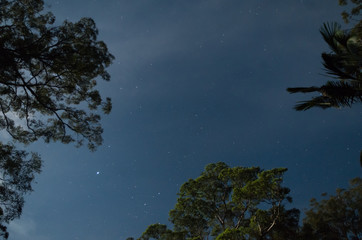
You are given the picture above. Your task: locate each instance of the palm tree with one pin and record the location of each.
(343, 63)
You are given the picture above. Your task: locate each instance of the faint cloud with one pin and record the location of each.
(22, 228)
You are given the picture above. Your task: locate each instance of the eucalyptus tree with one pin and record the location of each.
(48, 78)
(230, 203)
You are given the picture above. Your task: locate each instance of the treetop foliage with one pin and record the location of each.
(48, 75)
(246, 203)
(241, 203)
(339, 217)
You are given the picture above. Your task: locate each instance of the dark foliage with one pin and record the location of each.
(17, 172)
(48, 77)
(48, 73)
(355, 11)
(338, 217)
(343, 63)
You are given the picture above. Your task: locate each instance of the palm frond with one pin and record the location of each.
(335, 67)
(329, 32)
(303, 89)
(341, 89)
(321, 102)
(334, 94)
(343, 63)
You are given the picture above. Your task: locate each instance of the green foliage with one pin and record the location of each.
(231, 234)
(161, 232)
(48, 74)
(230, 203)
(339, 217)
(241, 203)
(155, 231)
(17, 172)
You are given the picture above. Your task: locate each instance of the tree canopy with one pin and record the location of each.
(48, 78)
(230, 203)
(17, 172)
(336, 218)
(241, 203)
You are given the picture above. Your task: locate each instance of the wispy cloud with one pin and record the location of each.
(24, 229)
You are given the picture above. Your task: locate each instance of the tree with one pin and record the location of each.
(339, 217)
(230, 203)
(48, 75)
(48, 78)
(161, 232)
(16, 175)
(342, 63)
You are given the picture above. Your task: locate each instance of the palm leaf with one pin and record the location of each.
(303, 89)
(334, 94)
(321, 102)
(334, 66)
(329, 32)
(343, 63)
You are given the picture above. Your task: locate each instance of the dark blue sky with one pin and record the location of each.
(193, 82)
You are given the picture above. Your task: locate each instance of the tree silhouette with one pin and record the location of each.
(48, 78)
(16, 175)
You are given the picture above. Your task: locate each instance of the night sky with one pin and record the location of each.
(193, 82)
